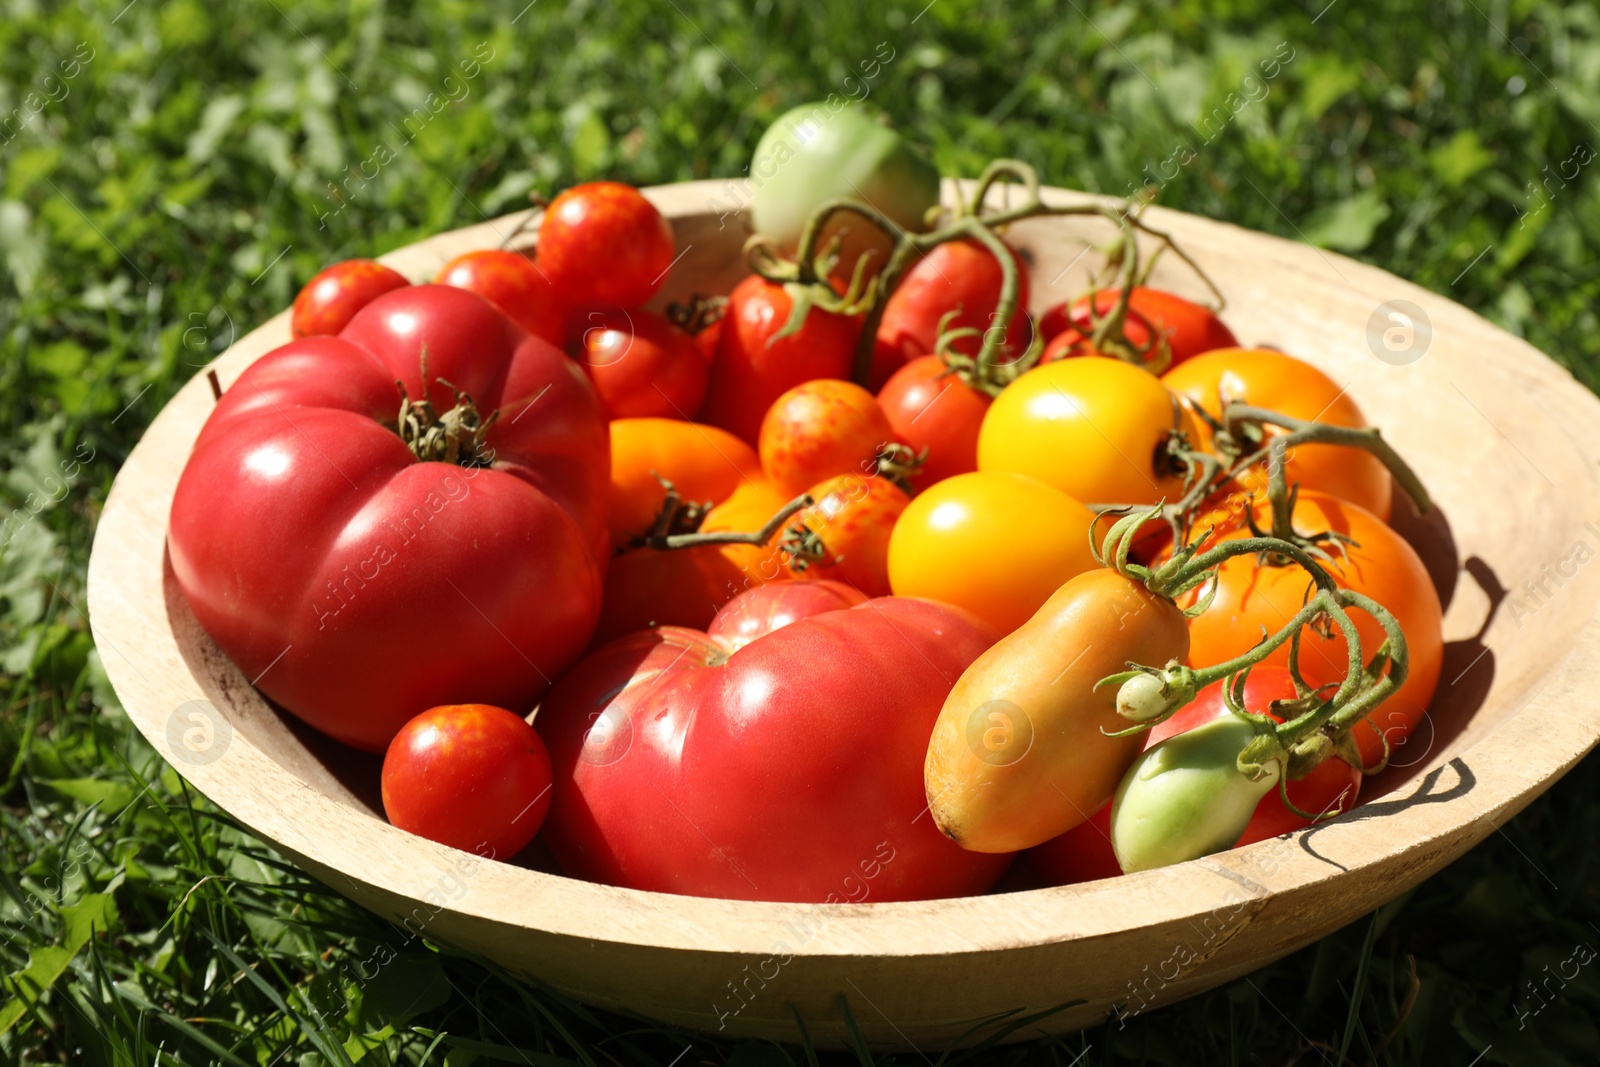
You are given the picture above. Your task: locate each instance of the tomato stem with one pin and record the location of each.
(663, 541)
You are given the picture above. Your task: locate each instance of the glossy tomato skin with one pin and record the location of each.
(995, 543)
(309, 540)
(820, 429)
(513, 283)
(930, 408)
(1189, 328)
(751, 369)
(471, 776)
(1092, 428)
(333, 296)
(604, 244)
(1270, 379)
(1084, 853)
(705, 463)
(1378, 563)
(854, 516)
(789, 769)
(681, 587)
(757, 616)
(641, 365)
(962, 276)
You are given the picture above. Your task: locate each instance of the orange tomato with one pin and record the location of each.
(1270, 379)
(703, 462)
(853, 517)
(820, 429)
(746, 511)
(1379, 563)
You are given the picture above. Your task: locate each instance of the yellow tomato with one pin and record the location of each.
(996, 543)
(1095, 428)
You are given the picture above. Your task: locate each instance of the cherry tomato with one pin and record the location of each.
(932, 408)
(961, 276)
(1074, 342)
(1265, 378)
(1378, 563)
(820, 429)
(471, 776)
(1093, 428)
(641, 365)
(331, 299)
(703, 462)
(853, 517)
(752, 369)
(604, 243)
(996, 543)
(1020, 753)
(796, 753)
(1189, 328)
(513, 283)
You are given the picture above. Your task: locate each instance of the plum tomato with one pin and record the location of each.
(704, 463)
(937, 414)
(849, 528)
(331, 299)
(1189, 328)
(1096, 429)
(513, 283)
(641, 365)
(961, 276)
(753, 367)
(471, 776)
(604, 244)
(778, 765)
(819, 429)
(1376, 561)
(993, 542)
(1266, 378)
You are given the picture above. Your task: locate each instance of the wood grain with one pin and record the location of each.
(1505, 439)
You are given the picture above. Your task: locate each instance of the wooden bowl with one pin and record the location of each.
(1504, 438)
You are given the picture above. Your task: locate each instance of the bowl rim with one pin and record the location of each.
(1493, 778)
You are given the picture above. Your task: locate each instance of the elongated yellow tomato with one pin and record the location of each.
(1018, 754)
(993, 542)
(1095, 428)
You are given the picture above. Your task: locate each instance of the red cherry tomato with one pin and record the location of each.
(821, 429)
(788, 767)
(513, 283)
(330, 299)
(641, 365)
(752, 369)
(307, 537)
(603, 243)
(931, 408)
(1188, 327)
(962, 276)
(1084, 853)
(471, 776)
(1072, 342)
(852, 517)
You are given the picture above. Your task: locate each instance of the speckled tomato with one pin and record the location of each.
(511, 282)
(1189, 328)
(853, 517)
(704, 463)
(471, 776)
(934, 411)
(820, 429)
(641, 365)
(604, 243)
(331, 299)
(753, 367)
(1267, 378)
(961, 276)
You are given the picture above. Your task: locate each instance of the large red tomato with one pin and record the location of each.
(961, 276)
(752, 368)
(359, 585)
(790, 769)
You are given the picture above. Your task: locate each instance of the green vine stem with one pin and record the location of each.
(677, 524)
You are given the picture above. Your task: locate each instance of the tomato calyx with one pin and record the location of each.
(458, 436)
(698, 313)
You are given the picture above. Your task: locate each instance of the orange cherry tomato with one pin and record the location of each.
(703, 462)
(752, 504)
(820, 429)
(853, 517)
(1378, 563)
(1266, 378)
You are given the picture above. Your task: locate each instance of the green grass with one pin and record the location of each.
(189, 175)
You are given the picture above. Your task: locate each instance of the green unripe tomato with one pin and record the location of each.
(1186, 797)
(829, 149)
